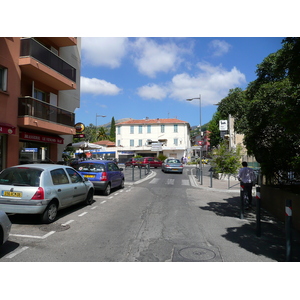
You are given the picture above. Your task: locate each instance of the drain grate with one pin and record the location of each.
(196, 254)
(54, 227)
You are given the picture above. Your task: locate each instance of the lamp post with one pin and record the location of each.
(200, 162)
(97, 117)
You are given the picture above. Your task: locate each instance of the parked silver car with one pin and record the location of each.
(42, 189)
(5, 226)
(172, 165)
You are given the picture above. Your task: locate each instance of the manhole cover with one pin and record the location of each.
(197, 254)
(54, 227)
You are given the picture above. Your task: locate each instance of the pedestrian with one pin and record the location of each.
(247, 178)
(185, 160)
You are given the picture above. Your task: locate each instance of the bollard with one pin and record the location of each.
(242, 202)
(288, 228)
(211, 179)
(132, 167)
(140, 167)
(258, 210)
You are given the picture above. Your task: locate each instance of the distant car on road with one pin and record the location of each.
(133, 162)
(172, 165)
(5, 226)
(104, 174)
(152, 161)
(42, 189)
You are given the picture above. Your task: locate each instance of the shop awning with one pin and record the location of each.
(7, 128)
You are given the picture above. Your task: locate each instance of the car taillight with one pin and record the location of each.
(104, 176)
(39, 194)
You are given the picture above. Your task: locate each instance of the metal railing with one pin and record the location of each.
(30, 47)
(42, 110)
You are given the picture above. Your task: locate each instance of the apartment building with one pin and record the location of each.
(39, 92)
(151, 137)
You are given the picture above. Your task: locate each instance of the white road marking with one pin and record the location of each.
(69, 222)
(33, 236)
(16, 252)
(103, 202)
(94, 207)
(84, 213)
(170, 181)
(185, 182)
(154, 181)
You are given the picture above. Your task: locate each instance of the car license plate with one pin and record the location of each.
(174, 169)
(89, 176)
(12, 194)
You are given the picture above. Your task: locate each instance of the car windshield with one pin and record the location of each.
(173, 161)
(90, 167)
(21, 176)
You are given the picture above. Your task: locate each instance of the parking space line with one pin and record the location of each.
(16, 252)
(103, 202)
(69, 222)
(82, 214)
(94, 207)
(33, 236)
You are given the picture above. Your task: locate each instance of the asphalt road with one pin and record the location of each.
(165, 218)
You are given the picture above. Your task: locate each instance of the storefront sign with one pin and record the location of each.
(41, 138)
(79, 127)
(7, 129)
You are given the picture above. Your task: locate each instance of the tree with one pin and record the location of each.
(113, 130)
(226, 161)
(102, 134)
(213, 128)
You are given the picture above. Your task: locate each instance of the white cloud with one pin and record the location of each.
(151, 57)
(104, 51)
(152, 91)
(219, 47)
(212, 82)
(98, 87)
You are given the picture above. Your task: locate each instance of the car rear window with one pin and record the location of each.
(21, 176)
(91, 167)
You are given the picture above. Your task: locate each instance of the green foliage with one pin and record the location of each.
(226, 161)
(213, 128)
(113, 130)
(162, 157)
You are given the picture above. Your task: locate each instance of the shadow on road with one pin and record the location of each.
(271, 243)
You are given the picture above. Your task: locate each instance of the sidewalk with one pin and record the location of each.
(271, 241)
(213, 184)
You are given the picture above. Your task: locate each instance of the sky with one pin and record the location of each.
(152, 77)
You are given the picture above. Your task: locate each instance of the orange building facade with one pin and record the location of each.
(39, 92)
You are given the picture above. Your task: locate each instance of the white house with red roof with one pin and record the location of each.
(151, 137)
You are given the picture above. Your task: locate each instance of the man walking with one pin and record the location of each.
(247, 178)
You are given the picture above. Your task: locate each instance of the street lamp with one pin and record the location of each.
(97, 117)
(200, 162)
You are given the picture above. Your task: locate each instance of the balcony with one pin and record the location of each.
(36, 114)
(41, 64)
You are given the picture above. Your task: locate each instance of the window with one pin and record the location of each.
(140, 143)
(59, 176)
(3, 79)
(140, 129)
(148, 128)
(131, 129)
(118, 143)
(118, 130)
(175, 128)
(40, 95)
(131, 143)
(162, 128)
(176, 142)
(75, 177)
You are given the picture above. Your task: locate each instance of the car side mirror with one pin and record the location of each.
(85, 179)
(121, 169)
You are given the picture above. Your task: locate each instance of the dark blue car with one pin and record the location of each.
(104, 174)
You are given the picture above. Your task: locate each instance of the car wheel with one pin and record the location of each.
(50, 213)
(107, 190)
(122, 184)
(89, 197)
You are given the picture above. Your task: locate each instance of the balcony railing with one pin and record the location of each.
(42, 110)
(30, 47)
